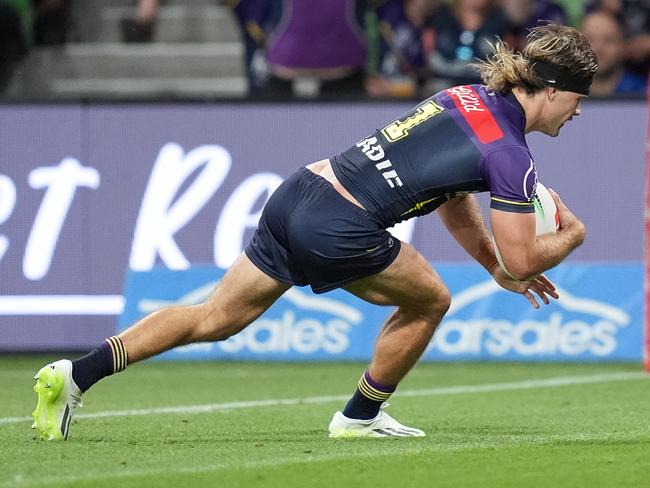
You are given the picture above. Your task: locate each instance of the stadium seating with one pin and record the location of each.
(197, 52)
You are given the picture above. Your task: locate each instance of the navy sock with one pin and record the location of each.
(110, 357)
(367, 400)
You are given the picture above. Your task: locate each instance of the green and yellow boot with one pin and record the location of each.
(58, 398)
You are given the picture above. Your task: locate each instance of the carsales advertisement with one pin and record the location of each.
(590, 322)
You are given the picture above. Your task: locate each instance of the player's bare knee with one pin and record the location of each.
(442, 302)
(435, 306)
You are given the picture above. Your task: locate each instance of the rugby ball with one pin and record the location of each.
(547, 219)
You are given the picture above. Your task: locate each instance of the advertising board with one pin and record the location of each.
(89, 192)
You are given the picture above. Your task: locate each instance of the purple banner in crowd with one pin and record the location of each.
(87, 192)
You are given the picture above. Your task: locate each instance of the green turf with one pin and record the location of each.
(586, 435)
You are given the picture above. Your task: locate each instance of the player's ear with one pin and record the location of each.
(551, 93)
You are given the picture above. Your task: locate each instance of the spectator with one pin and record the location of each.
(51, 21)
(15, 24)
(526, 14)
(606, 38)
(257, 18)
(634, 18)
(318, 48)
(634, 15)
(400, 68)
(142, 27)
(462, 33)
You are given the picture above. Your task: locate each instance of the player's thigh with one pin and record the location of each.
(408, 281)
(244, 293)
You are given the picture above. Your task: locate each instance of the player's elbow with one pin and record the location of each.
(579, 233)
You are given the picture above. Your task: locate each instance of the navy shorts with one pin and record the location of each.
(309, 234)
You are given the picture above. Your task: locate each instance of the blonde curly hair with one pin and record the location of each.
(560, 45)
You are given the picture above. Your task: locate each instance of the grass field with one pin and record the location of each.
(250, 425)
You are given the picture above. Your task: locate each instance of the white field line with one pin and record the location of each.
(24, 481)
(445, 390)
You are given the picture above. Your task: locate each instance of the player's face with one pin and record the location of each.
(562, 107)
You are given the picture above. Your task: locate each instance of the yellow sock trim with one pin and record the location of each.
(369, 391)
(120, 357)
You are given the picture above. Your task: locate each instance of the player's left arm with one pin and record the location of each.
(463, 219)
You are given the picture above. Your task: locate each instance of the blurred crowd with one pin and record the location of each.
(372, 48)
(412, 48)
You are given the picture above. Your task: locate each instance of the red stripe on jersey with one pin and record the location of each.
(475, 113)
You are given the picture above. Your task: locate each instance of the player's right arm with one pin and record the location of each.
(512, 177)
(525, 254)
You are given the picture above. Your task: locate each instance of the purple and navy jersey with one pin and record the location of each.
(462, 140)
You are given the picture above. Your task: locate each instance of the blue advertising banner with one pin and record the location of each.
(598, 318)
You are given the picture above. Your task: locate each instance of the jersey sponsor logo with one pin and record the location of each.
(400, 128)
(476, 114)
(371, 147)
